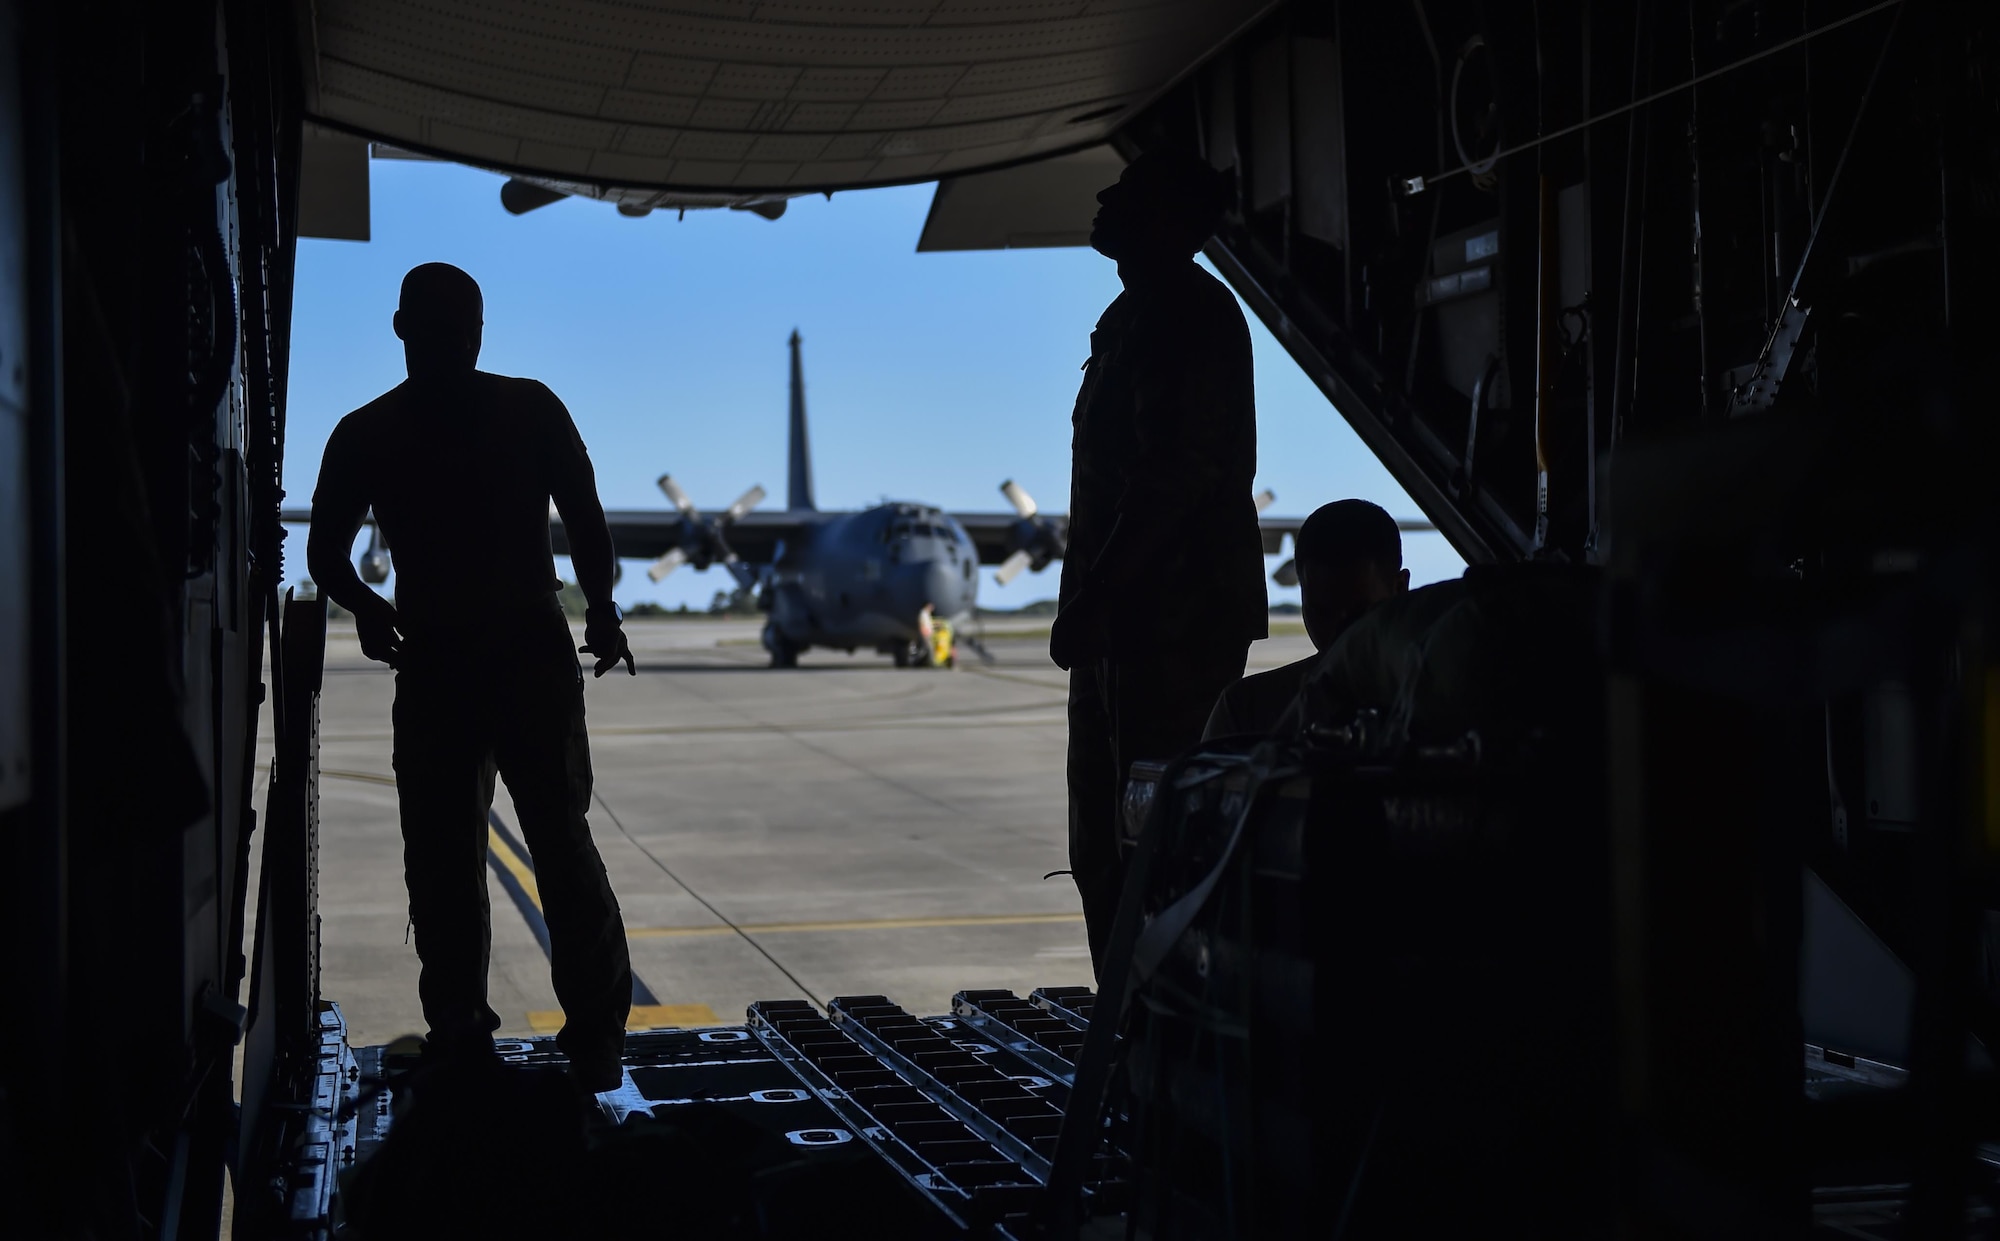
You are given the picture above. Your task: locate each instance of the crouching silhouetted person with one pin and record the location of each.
(1163, 581)
(459, 467)
(1349, 557)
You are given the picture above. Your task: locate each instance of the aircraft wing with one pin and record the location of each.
(994, 534)
(643, 534)
(1276, 528)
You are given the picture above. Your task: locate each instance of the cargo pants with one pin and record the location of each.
(505, 700)
(1122, 711)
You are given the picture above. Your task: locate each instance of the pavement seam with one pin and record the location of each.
(704, 902)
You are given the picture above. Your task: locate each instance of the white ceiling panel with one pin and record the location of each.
(740, 97)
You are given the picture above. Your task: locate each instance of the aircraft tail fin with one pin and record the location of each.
(799, 488)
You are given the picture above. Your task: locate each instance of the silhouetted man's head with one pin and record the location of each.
(1166, 206)
(439, 319)
(1349, 557)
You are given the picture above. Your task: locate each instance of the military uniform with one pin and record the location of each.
(1165, 438)
(487, 684)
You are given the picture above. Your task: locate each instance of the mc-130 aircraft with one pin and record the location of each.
(838, 580)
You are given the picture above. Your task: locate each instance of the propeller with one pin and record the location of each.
(675, 496)
(1037, 539)
(1011, 567)
(744, 503)
(375, 558)
(703, 540)
(666, 564)
(1288, 572)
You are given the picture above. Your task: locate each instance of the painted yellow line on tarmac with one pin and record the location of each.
(522, 872)
(868, 924)
(515, 866)
(643, 1017)
(526, 877)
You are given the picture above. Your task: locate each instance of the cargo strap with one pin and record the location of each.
(1136, 950)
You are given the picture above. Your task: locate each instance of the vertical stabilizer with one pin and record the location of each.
(799, 489)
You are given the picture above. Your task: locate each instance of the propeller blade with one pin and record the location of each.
(375, 557)
(1011, 567)
(1023, 503)
(675, 496)
(744, 503)
(666, 564)
(1287, 574)
(1264, 499)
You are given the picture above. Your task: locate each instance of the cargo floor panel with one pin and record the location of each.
(962, 1110)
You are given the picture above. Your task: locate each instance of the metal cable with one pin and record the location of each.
(1418, 185)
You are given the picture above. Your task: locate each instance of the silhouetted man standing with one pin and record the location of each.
(460, 467)
(1163, 581)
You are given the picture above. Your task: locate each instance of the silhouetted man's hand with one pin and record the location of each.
(1078, 632)
(604, 637)
(375, 625)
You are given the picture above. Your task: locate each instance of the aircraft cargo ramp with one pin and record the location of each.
(860, 1121)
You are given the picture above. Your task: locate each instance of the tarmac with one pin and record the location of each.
(845, 828)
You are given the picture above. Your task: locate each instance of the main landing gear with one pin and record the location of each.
(783, 653)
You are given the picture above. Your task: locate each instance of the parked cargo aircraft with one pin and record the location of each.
(842, 580)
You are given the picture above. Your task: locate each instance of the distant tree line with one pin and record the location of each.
(726, 603)
(1040, 607)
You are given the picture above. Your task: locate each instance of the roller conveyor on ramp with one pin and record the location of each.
(939, 1126)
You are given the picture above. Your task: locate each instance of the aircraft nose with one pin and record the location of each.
(941, 587)
(934, 582)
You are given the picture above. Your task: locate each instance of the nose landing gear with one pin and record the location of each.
(784, 654)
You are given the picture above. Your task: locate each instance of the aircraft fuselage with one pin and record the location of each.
(861, 581)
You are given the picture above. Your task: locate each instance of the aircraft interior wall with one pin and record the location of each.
(149, 151)
(1696, 293)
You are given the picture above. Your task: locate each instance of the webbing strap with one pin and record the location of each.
(1135, 951)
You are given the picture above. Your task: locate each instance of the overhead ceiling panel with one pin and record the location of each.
(738, 97)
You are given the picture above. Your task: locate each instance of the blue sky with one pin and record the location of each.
(929, 377)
